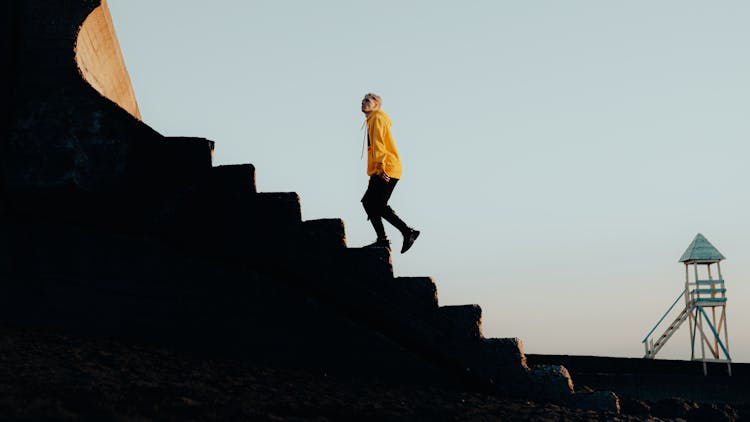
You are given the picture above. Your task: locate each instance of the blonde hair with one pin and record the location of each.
(375, 97)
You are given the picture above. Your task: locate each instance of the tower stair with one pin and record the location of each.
(654, 347)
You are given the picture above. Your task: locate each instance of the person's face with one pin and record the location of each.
(369, 105)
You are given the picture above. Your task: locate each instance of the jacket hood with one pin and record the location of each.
(378, 113)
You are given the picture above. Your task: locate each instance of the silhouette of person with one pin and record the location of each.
(384, 169)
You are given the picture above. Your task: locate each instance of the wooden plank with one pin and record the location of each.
(709, 281)
(707, 291)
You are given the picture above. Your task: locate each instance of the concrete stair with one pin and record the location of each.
(111, 229)
(217, 213)
(265, 231)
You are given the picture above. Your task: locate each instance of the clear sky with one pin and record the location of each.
(558, 156)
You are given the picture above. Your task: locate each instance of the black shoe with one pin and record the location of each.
(380, 243)
(409, 239)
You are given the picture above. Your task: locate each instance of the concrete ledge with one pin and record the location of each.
(368, 265)
(461, 322)
(653, 380)
(418, 293)
(233, 178)
(323, 234)
(179, 160)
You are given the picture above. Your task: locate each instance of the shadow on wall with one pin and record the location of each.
(100, 60)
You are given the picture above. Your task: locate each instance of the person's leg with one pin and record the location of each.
(377, 224)
(374, 201)
(390, 216)
(409, 234)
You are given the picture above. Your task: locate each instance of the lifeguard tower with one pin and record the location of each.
(705, 307)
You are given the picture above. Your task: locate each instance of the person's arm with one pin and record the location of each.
(377, 138)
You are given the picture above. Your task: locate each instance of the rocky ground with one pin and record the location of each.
(47, 376)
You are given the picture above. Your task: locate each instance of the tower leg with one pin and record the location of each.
(726, 338)
(693, 329)
(718, 334)
(703, 341)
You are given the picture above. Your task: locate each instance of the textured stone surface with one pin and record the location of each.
(651, 380)
(672, 408)
(551, 382)
(461, 321)
(711, 413)
(54, 377)
(634, 407)
(605, 401)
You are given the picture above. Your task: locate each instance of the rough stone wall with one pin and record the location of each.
(64, 135)
(6, 88)
(100, 60)
(656, 379)
(47, 32)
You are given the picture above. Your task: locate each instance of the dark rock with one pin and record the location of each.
(604, 401)
(671, 408)
(504, 354)
(550, 382)
(634, 407)
(583, 389)
(461, 322)
(711, 413)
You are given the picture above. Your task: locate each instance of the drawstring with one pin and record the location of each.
(364, 139)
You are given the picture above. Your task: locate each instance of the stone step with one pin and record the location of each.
(461, 322)
(177, 160)
(418, 294)
(233, 178)
(240, 226)
(494, 360)
(368, 265)
(282, 207)
(327, 234)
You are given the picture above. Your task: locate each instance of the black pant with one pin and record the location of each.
(375, 202)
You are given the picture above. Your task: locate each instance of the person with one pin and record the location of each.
(384, 169)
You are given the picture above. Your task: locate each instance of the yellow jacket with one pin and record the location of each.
(381, 150)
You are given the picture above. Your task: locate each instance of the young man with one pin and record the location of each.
(384, 169)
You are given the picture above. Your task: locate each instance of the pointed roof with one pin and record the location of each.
(701, 250)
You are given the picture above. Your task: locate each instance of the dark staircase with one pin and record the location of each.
(109, 229)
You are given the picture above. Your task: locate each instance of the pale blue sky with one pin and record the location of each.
(559, 156)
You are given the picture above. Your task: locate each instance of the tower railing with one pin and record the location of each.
(650, 352)
(714, 294)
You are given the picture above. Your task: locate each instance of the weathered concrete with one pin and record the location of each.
(100, 60)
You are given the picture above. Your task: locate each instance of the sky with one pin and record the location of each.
(558, 156)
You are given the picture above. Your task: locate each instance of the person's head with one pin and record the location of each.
(371, 102)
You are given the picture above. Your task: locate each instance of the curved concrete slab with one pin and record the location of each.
(72, 118)
(100, 60)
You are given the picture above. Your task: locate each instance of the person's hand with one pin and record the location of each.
(384, 176)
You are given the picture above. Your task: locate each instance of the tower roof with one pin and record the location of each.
(701, 250)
